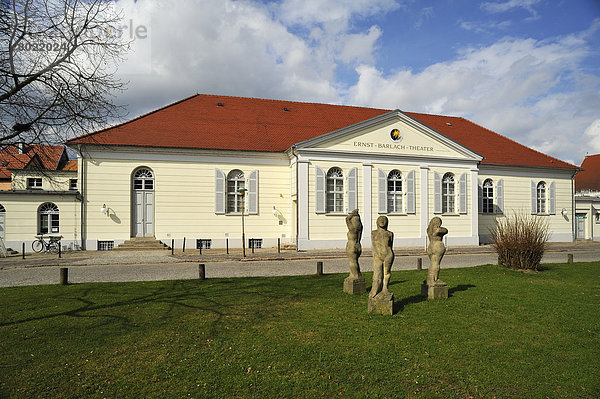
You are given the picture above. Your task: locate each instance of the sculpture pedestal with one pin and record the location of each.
(440, 290)
(355, 285)
(382, 304)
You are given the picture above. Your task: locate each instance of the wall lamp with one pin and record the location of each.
(564, 212)
(104, 209)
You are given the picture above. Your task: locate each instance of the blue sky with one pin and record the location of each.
(527, 69)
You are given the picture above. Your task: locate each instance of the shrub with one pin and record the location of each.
(520, 241)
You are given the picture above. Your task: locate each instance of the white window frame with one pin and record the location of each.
(449, 198)
(73, 184)
(48, 216)
(541, 198)
(34, 183)
(395, 196)
(334, 189)
(488, 197)
(235, 186)
(143, 179)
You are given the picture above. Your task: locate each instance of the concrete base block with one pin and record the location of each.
(355, 285)
(382, 304)
(439, 290)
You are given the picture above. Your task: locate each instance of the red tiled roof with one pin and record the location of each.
(70, 165)
(48, 155)
(589, 178)
(251, 124)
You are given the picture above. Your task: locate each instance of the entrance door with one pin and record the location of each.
(142, 207)
(581, 226)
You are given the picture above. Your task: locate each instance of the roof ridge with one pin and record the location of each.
(516, 142)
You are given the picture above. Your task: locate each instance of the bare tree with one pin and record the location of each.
(58, 60)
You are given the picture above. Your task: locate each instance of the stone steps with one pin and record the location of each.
(142, 244)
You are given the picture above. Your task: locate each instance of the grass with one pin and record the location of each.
(501, 333)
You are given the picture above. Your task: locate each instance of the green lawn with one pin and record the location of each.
(501, 333)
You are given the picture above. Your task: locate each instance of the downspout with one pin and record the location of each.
(296, 188)
(573, 222)
(82, 211)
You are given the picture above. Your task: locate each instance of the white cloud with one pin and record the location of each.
(495, 7)
(592, 138)
(531, 91)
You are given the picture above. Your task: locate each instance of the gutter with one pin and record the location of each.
(295, 154)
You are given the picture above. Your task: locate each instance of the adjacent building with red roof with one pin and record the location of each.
(587, 198)
(294, 170)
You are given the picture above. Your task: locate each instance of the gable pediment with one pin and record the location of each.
(393, 133)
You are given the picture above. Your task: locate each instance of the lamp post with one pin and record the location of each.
(242, 192)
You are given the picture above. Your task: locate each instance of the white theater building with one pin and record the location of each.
(177, 172)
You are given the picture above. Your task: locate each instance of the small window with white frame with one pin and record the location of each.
(448, 194)
(335, 190)
(73, 184)
(394, 192)
(488, 196)
(541, 198)
(34, 183)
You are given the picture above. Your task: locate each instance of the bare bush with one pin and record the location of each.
(520, 241)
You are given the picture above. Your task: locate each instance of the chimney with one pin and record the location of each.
(21, 147)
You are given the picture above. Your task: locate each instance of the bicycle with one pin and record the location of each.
(52, 246)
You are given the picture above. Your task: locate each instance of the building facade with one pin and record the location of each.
(587, 199)
(38, 196)
(294, 170)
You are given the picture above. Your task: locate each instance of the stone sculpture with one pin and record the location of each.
(355, 282)
(380, 299)
(433, 287)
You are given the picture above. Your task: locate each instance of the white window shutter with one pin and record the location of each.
(552, 199)
(319, 190)
(382, 191)
(437, 192)
(500, 196)
(219, 192)
(352, 189)
(410, 192)
(462, 194)
(533, 198)
(480, 195)
(253, 193)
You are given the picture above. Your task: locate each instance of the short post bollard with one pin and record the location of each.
(419, 263)
(23, 251)
(172, 246)
(320, 268)
(200, 247)
(201, 271)
(252, 244)
(59, 250)
(279, 245)
(569, 258)
(227, 245)
(64, 276)
(183, 247)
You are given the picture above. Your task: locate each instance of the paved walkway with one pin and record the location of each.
(93, 266)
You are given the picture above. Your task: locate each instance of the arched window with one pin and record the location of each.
(394, 192)
(448, 193)
(236, 185)
(335, 190)
(143, 179)
(48, 220)
(541, 197)
(488, 196)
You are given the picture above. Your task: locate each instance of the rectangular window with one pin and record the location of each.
(106, 245)
(203, 244)
(72, 184)
(34, 182)
(255, 243)
(541, 200)
(448, 196)
(488, 199)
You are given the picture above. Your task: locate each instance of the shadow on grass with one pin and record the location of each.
(216, 297)
(458, 288)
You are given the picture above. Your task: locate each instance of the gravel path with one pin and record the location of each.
(173, 269)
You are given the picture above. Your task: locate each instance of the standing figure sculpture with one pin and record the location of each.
(433, 287)
(355, 282)
(383, 257)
